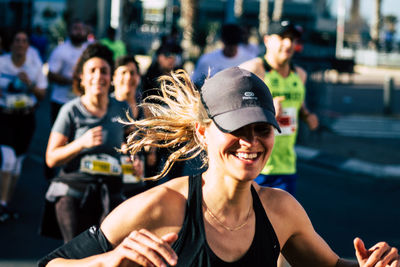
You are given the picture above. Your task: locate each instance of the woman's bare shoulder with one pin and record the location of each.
(151, 210)
(179, 184)
(281, 206)
(165, 196)
(275, 199)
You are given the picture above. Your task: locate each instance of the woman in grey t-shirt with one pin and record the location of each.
(84, 142)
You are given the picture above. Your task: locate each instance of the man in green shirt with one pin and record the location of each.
(118, 47)
(287, 85)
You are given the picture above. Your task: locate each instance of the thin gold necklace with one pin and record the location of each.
(223, 225)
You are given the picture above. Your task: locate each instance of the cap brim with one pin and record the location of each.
(292, 31)
(233, 120)
(286, 30)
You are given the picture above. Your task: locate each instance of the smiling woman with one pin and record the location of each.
(126, 80)
(219, 217)
(95, 77)
(83, 143)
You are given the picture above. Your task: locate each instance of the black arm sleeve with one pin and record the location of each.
(89, 243)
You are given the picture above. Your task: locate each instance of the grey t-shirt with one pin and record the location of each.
(74, 120)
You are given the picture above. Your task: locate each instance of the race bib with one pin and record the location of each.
(100, 164)
(128, 173)
(288, 121)
(18, 101)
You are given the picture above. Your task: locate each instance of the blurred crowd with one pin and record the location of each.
(111, 138)
(90, 84)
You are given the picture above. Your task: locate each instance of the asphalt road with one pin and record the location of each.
(343, 206)
(336, 99)
(20, 244)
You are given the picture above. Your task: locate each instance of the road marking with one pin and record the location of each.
(363, 126)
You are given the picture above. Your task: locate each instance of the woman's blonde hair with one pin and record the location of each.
(172, 125)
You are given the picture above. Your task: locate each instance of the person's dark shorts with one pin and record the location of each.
(17, 130)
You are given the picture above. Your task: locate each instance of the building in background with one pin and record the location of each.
(141, 23)
(14, 14)
(29, 15)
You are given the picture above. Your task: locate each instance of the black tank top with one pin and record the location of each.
(192, 248)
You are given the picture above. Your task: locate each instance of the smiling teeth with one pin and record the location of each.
(246, 155)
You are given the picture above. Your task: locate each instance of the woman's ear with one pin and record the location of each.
(80, 80)
(201, 133)
(265, 39)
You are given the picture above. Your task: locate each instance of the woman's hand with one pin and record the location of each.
(379, 255)
(145, 249)
(137, 163)
(312, 121)
(278, 105)
(93, 137)
(24, 78)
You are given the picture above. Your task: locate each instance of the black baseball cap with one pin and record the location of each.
(235, 97)
(284, 27)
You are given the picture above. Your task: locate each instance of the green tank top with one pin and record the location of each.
(283, 156)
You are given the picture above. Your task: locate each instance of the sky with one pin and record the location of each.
(367, 8)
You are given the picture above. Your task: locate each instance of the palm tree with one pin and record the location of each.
(188, 15)
(263, 18)
(353, 26)
(238, 9)
(278, 8)
(376, 25)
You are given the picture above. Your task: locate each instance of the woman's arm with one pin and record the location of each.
(310, 118)
(300, 244)
(39, 93)
(304, 247)
(59, 151)
(124, 230)
(140, 247)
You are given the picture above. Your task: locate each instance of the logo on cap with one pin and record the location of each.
(285, 23)
(249, 95)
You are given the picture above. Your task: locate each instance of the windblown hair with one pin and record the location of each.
(175, 114)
